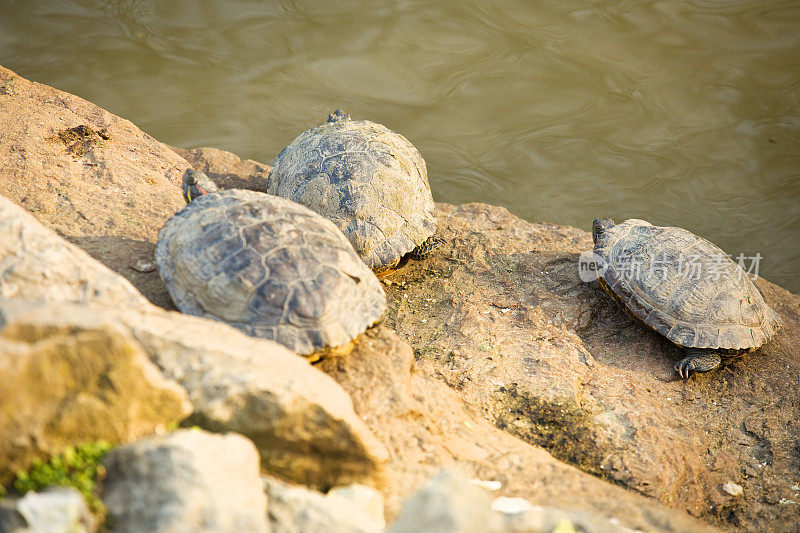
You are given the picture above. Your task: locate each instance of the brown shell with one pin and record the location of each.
(269, 267)
(684, 287)
(370, 181)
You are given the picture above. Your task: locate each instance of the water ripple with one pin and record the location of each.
(683, 113)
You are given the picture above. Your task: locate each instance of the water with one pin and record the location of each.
(681, 113)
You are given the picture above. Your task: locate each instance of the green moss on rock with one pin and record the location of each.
(567, 431)
(78, 467)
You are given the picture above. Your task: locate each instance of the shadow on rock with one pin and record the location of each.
(124, 256)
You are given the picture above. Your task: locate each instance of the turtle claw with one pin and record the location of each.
(698, 361)
(684, 368)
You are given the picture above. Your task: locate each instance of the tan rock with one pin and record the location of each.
(69, 385)
(448, 503)
(88, 174)
(419, 417)
(227, 170)
(300, 419)
(55, 509)
(80, 169)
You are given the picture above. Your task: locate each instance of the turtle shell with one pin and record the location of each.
(269, 267)
(684, 287)
(370, 181)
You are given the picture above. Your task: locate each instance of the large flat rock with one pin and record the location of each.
(426, 424)
(501, 316)
(88, 174)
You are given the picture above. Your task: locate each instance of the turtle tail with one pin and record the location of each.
(424, 250)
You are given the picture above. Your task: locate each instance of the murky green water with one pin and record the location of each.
(682, 113)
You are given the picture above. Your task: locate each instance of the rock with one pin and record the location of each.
(512, 354)
(350, 509)
(420, 415)
(144, 266)
(67, 384)
(425, 425)
(448, 503)
(501, 316)
(86, 173)
(522, 517)
(58, 509)
(227, 170)
(301, 420)
(187, 480)
(733, 489)
(36, 264)
(364, 501)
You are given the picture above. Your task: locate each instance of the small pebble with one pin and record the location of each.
(511, 505)
(486, 484)
(144, 265)
(734, 489)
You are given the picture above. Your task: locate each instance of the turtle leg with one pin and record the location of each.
(698, 360)
(424, 250)
(392, 268)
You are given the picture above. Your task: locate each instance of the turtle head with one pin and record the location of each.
(338, 115)
(599, 226)
(196, 184)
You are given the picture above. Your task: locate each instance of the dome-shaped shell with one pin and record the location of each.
(269, 267)
(684, 287)
(370, 181)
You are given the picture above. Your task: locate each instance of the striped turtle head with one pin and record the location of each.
(196, 184)
(599, 226)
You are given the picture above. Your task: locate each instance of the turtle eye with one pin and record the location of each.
(354, 278)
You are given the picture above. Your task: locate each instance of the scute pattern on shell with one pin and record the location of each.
(720, 308)
(370, 181)
(269, 267)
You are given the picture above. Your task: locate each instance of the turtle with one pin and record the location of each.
(685, 288)
(267, 266)
(370, 181)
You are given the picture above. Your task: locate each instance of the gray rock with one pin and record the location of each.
(300, 419)
(188, 480)
(350, 509)
(37, 264)
(448, 503)
(519, 516)
(57, 510)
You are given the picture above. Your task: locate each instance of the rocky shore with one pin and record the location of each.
(501, 393)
